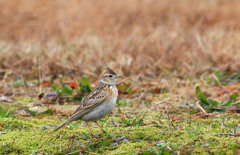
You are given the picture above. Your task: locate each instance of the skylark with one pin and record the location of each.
(99, 102)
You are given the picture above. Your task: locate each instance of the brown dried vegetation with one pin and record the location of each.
(164, 49)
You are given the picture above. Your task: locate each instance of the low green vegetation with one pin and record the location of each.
(73, 90)
(146, 133)
(213, 105)
(180, 91)
(224, 77)
(6, 111)
(130, 129)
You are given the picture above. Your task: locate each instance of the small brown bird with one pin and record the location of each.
(99, 102)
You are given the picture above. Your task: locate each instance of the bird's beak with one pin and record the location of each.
(119, 76)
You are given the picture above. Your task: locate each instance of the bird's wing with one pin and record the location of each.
(95, 98)
(91, 101)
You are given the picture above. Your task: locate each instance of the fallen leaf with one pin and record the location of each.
(5, 99)
(73, 85)
(46, 83)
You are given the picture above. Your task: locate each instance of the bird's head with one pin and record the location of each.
(109, 77)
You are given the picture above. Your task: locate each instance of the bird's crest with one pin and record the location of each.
(109, 71)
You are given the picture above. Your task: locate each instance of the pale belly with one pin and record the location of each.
(100, 111)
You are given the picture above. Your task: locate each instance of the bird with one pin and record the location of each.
(99, 102)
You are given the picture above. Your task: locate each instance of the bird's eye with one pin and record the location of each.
(110, 76)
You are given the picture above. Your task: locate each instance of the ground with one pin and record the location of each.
(180, 61)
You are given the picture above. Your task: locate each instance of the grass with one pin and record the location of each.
(32, 135)
(127, 133)
(130, 129)
(172, 56)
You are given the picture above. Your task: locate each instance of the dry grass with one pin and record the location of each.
(141, 36)
(157, 45)
(147, 38)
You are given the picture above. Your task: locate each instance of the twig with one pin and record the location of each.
(89, 152)
(204, 148)
(55, 137)
(60, 145)
(189, 113)
(71, 145)
(227, 134)
(26, 86)
(223, 141)
(147, 146)
(170, 119)
(88, 144)
(83, 150)
(39, 76)
(6, 91)
(200, 107)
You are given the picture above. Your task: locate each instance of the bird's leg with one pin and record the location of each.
(90, 129)
(100, 127)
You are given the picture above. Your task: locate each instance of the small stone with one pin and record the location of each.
(125, 141)
(121, 138)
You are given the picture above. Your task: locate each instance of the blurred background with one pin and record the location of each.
(164, 42)
(145, 35)
(181, 65)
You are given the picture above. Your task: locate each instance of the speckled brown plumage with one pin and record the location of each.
(105, 94)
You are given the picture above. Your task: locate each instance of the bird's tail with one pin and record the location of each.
(61, 126)
(73, 118)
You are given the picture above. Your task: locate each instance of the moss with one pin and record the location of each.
(27, 142)
(128, 148)
(23, 100)
(26, 137)
(20, 124)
